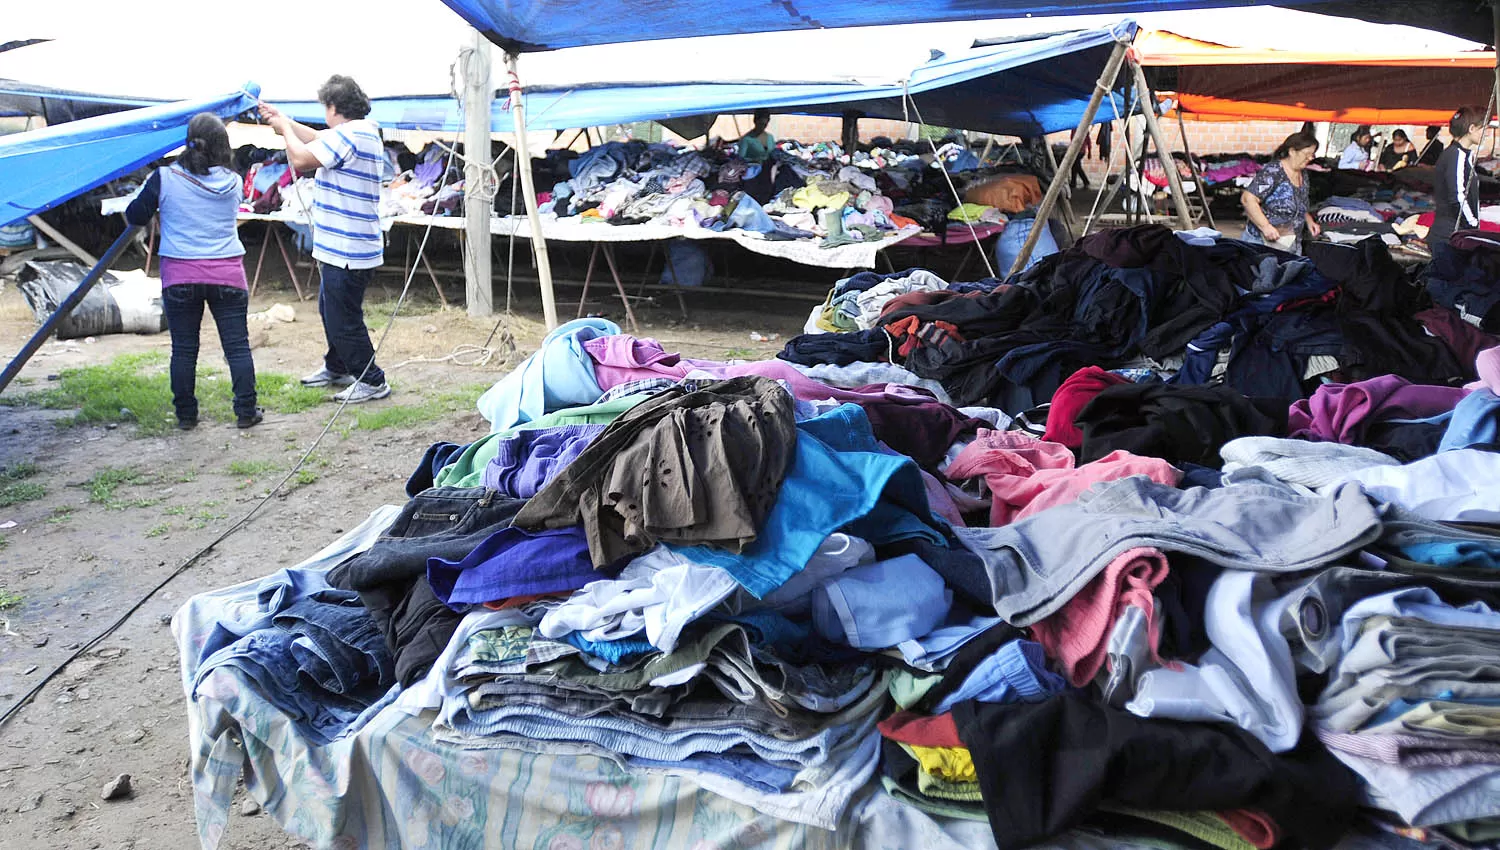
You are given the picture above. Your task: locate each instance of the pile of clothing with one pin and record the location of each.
(1187, 309)
(800, 192)
(819, 603)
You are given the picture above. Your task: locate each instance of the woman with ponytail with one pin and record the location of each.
(202, 263)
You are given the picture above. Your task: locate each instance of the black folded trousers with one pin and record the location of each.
(391, 577)
(1045, 767)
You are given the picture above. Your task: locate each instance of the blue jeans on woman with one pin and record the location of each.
(183, 304)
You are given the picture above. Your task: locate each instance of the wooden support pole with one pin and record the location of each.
(479, 287)
(1049, 200)
(528, 193)
(1174, 180)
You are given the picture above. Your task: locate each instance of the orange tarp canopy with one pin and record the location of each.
(1158, 48)
(1196, 107)
(1219, 83)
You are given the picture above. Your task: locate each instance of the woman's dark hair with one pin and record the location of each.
(1400, 134)
(1463, 119)
(207, 145)
(345, 96)
(1432, 132)
(1298, 141)
(762, 115)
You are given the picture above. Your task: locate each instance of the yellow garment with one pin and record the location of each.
(813, 198)
(954, 764)
(970, 213)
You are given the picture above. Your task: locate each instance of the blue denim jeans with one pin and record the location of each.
(183, 305)
(341, 303)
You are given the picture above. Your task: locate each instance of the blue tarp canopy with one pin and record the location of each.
(1024, 88)
(520, 26)
(42, 168)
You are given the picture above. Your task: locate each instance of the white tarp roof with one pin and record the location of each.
(161, 49)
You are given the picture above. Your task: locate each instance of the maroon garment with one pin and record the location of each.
(1464, 339)
(1073, 396)
(225, 271)
(921, 431)
(921, 731)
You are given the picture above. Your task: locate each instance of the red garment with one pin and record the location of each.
(1427, 218)
(1077, 636)
(1464, 339)
(919, 730)
(1255, 827)
(1026, 476)
(1073, 396)
(520, 601)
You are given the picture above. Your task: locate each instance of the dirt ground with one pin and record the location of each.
(74, 559)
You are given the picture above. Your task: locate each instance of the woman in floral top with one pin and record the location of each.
(1276, 201)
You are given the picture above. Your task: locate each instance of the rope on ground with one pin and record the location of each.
(26, 699)
(475, 356)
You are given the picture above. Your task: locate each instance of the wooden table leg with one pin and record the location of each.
(291, 267)
(433, 277)
(265, 241)
(587, 278)
(676, 280)
(609, 258)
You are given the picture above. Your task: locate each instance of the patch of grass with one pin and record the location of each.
(14, 489)
(306, 476)
(17, 492)
(428, 408)
(3, 542)
(378, 316)
(158, 530)
(135, 387)
(176, 510)
(106, 481)
(18, 471)
(252, 468)
(204, 516)
(739, 354)
(61, 514)
(187, 476)
(9, 599)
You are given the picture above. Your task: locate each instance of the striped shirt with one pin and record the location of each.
(346, 196)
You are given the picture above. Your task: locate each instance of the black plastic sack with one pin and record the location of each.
(130, 303)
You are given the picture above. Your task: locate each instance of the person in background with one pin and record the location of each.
(1399, 153)
(756, 145)
(1455, 190)
(1432, 150)
(1357, 154)
(755, 148)
(197, 199)
(347, 240)
(1276, 202)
